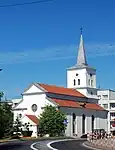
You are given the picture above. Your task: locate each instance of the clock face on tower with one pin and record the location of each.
(34, 107)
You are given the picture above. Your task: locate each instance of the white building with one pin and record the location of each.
(107, 101)
(78, 101)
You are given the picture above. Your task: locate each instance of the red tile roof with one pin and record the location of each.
(74, 104)
(61, 90)
(33, 118)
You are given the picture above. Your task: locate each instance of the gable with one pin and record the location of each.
(29, 118)
(33, 89)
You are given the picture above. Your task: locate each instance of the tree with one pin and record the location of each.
(6, 119)
(52, 121)
(1, 95)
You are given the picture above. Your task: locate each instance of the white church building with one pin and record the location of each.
(78, 100)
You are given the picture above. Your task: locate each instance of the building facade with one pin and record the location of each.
(107, 101)
(78, 100)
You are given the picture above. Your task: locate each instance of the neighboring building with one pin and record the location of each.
(78, 101)
(107, 101)
(16, 101)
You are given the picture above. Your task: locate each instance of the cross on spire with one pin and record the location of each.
(81, 29)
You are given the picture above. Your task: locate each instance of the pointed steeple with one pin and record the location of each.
(81, 59)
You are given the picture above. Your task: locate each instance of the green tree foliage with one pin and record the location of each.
(1, 95)
(6, 119)
(52, 121)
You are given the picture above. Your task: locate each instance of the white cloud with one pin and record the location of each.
(62, 52)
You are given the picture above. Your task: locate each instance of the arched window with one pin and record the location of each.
(89, 82)
(74, 117)
(20, 115)
(91, 93)
(92, 122)
(83, 124)
(78, 81)
(90, 75)
(74, 82)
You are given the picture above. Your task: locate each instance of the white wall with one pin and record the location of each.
(87, 92)
(38, 97)
(84, 75)
(100, 121)
(71, 75)
(33, 128)
(112, 95)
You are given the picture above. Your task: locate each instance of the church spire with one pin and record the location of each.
(81, 59)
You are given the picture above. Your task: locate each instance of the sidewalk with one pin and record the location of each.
(103, 144)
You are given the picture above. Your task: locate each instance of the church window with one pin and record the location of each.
(76, 74)
(34, 107)
(74, 118)
(78, 81)
(20, 115)
(74, 82)
(91, 82)
(105, 106)
(83, 124)
(92, 123)
(90, 75)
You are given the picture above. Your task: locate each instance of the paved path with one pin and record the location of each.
(42, 145)
(16, 145)
(70, 145)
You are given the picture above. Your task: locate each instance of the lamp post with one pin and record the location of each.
(1, 93)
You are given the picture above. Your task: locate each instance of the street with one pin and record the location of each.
(16, 145)
(25, 145)
(69, 145)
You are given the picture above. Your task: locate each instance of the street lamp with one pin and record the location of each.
(1, 93)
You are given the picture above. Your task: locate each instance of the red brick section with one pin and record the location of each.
(61, 90)
(33, 118)
(74, 104)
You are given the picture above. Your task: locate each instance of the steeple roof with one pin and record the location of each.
(81, 59)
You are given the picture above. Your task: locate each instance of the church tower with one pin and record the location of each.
(81, 76)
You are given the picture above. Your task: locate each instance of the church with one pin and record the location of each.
(79, 100)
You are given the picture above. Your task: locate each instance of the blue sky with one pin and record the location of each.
(38, 42)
